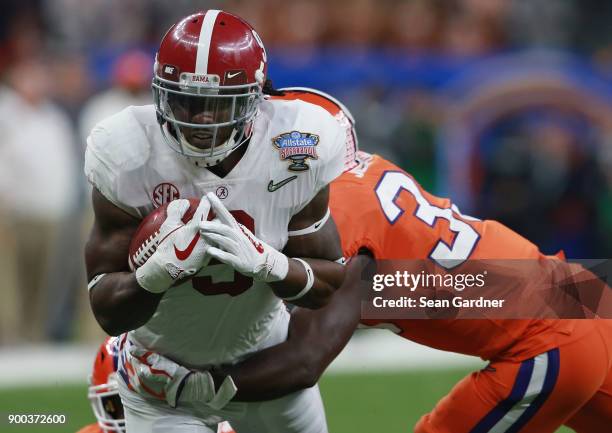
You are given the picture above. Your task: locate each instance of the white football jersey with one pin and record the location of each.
(220, 315)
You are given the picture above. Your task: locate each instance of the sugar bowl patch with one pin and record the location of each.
(297, 147)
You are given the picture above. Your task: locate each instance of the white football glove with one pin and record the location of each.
(181, 251)
(155, 376)
(239, 248)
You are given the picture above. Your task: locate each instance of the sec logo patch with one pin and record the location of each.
(164, 193)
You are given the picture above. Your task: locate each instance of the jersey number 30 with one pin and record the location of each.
(392, 183)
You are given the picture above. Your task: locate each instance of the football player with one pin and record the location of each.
(538, 377)
(212, 292)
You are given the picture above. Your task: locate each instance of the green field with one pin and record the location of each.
(383, 403)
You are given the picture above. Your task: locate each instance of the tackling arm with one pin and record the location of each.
(315, 339)
(118, 302)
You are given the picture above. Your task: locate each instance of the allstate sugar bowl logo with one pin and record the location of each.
(297, 147)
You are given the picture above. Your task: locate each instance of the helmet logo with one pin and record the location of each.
(234, 77)
(169, 72)
(199, 80)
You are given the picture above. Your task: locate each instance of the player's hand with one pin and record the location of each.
(155, 376)
(181, 251)
(236, 246)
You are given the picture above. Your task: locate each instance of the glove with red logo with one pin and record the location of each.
(239, 248)
(181, 251)
(156, 377)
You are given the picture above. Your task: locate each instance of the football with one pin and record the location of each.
(146, 238)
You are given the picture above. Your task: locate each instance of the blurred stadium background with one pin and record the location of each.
(504, 105)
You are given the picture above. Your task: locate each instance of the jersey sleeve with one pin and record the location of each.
(357, 214)
(331, 158)
(114, 149)
(325, 160)
(99, 168)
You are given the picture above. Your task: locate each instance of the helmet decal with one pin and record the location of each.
(206, 32)
(260, 42)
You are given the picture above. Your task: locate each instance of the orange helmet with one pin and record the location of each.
(103, 392)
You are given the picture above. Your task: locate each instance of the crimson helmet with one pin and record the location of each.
(208, 80)
(103, 392)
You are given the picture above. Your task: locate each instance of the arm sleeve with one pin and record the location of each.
(331, 158)
(103, 168)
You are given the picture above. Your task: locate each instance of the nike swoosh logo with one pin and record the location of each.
(309, 272)
(274, 186)
(184, 254)
(235, 74)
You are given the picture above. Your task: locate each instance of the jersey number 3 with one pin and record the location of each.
(392, 183)
(222, 279)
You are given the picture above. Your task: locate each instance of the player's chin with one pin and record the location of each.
(202, 141)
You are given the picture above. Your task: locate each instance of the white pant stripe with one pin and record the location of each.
(536, 383)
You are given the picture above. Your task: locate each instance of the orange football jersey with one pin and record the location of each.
(378, 206)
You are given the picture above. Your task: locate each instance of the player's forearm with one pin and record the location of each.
(120, 304)
(315, 339)
(270, 374)
(295, 364)
(327, 275)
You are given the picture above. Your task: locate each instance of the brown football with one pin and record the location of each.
(146, 238)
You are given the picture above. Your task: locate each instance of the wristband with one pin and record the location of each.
(95, 280)
(309, 282)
